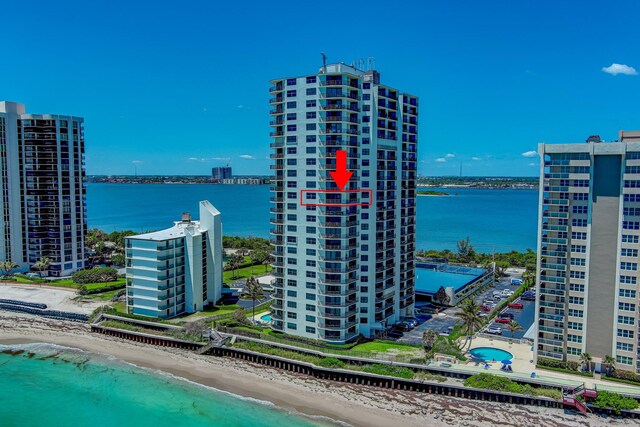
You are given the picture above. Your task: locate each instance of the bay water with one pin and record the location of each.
(494, 220)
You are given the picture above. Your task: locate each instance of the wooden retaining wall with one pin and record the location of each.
(146, 338)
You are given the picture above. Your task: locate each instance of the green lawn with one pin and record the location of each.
(383, 347)
(218, 310)
(243, 273)
(102, 296)
(69, 283)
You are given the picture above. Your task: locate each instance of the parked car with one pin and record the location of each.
(507, 292)
(507, 315)
(517, 282)
(483, 314)
(485, 308)
(497, 297)
(503, 320)
(516, 305)
(494, 330)
(394, 334)
(528, 297)
(412, 320)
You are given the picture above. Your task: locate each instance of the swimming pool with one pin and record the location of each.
(489, 353)
(266, 318)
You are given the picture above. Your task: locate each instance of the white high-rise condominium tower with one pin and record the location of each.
(43, 194)
(589, 231)
(344, 261)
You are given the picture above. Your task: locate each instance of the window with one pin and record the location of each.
(311, 241)
(291, 93)
(576, 313)
(580, 209)
(292, 304)
(292, 116)
(292, 138)
(311, 91)
(311, 138)
(581, 249)
(576, 287)
(291, 128)
(292, 315)
(628, 280)
(632, 197)
(577, 274)
(291, 82)
(576, 222)
(574, 338)
(580, 183)
(627, 293)
(310, 297)
(578, 261)
(576, 300)
(573, 351)
(628, 238)
(311, 79)
(631, 183)
(629, 252)
(630, 266)
(624, 346)
(626, 306)
(574, 325)
(311, 126)
(578, 235)
(292, 104)
(292, 293)
(311, 103)
(631, 211)
(310, 307)
(292, 325)
(626, 320)
(368, 86)
(311, 114)
(310, 263)
(624, 333)
(311, 150)
(623, 360)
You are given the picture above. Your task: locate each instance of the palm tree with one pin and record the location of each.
(514, 327)
(585, 358)
(253, 290)
(471, 320)
(7, 267)
(42, 264)
(611, 364)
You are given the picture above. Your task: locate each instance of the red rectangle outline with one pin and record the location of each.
(340, 205)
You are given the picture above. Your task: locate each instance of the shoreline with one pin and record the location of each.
(299, 394)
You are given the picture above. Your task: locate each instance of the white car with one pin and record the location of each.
(494, 330)
(507, 293)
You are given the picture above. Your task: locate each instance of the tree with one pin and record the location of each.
(253, 291)
(240, 316)
(118, 260)
(7, 267)
(471, 320)
(42, 264)
(514, 327)
(585, 358)
(260, 256)
(442, 297)
(429, 338)
(611, 364)
(235, 262)
(466, 253)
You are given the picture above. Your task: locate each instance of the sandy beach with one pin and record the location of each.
(347, 403)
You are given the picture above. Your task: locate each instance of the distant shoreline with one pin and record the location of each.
(431, 193)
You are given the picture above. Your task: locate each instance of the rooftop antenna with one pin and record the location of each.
(372, 63)
(460, 169)
(361, 64)
(324, 62)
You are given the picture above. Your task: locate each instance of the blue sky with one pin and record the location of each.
(176, 88)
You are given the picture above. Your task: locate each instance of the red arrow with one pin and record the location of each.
(341, 176)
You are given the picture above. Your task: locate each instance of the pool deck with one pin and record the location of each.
(522, 365)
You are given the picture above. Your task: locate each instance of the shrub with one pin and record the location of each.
(95, 275)
(240, 317)
(552, 363)
(425, 376)
(389, 370)
(615, 402)
(498, 383)
(625, 375)
(332, 363)
(82, 290)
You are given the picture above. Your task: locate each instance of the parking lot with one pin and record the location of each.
(444, 321)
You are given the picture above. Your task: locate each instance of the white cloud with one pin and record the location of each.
(532, 164)
(476, 158)
(247, 156)
(450, 155)
(209, 159)
(615, 69)
(441, 160)
(240, 106)
(531, 153)
(135, 162)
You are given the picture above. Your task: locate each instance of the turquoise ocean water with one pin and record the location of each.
(500, 220)
(48, 385)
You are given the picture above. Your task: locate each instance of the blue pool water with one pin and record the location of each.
(266, 318)
(488, 353)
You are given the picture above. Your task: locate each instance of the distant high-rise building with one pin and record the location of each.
(588, 242)
(344, 261)
(177, 270)
(220, 173)
(43, 193)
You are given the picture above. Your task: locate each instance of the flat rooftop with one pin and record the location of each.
(179, 229)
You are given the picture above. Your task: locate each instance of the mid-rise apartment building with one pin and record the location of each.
(177, 270)
(589, 233)
(343, 261)
(43, 193)
(220, 173)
